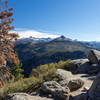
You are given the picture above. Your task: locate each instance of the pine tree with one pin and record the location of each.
(6, 38)
(16, 70)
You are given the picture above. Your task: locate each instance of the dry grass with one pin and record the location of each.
(25, 85)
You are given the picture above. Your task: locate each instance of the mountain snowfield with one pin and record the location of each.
(25, 33)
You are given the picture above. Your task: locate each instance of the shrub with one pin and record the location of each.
(47, 72)
(26, 85)
(63, 64)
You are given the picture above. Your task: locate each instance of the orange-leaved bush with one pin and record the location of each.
(7, 39)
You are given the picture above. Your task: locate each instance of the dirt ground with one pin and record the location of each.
(88, 80)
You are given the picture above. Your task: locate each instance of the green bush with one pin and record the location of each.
(26, 85)
(63, 64)
(44, 72)
(47, 72)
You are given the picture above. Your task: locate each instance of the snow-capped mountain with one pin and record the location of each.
(62, 38)
(26, 33)
(37, 40)
(33, 40)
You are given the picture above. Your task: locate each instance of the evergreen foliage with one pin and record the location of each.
(16, 70)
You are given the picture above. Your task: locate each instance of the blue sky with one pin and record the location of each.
(76, 19)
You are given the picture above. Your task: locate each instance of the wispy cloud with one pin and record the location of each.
(24, 33)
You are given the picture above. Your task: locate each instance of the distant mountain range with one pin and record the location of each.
(93, 44)
(36, 51)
